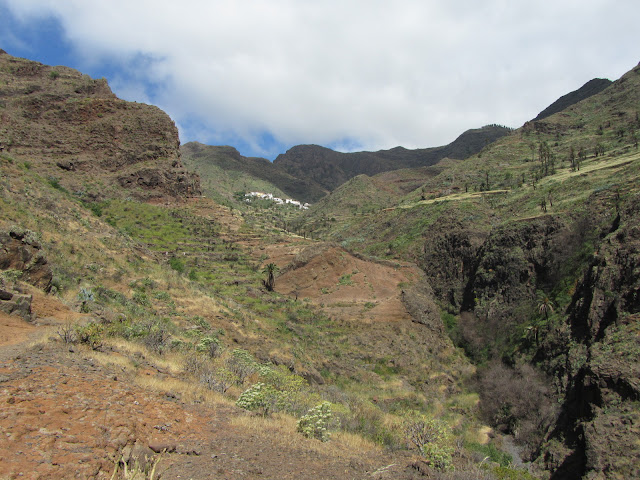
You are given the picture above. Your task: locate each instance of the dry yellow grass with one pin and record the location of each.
(195, 304)
(189, 392)
(172, 363)
(112, 358)
(281, 428)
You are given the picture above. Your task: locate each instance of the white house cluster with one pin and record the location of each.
(276, 200)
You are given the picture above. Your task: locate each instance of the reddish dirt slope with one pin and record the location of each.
(349, 287)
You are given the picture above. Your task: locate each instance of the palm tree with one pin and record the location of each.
(545, 307)
(270, 269)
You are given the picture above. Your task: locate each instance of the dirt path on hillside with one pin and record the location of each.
(68, 413)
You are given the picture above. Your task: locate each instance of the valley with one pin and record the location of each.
(447, 314)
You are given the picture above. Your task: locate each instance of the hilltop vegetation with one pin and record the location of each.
(225, 172)
(589, 89)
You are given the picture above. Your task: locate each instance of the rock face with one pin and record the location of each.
(21, 251)
(15, 303)
(600, 421)
(72, 128)
(590, 351)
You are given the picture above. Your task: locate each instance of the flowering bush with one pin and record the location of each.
(241, 363)
(258, 397)
(209, 345)
(315, 423)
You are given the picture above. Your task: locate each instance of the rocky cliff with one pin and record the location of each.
(74, 130)
(561, 293)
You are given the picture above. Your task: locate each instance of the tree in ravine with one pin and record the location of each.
(545, 307)
(270, 269)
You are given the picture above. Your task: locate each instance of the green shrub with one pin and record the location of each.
(95, 208)
(201, 322)
(315, 424)
(433, 438)
(291, 395)
(90, 334)
(10, 276)
(177, 264)
(162, 295)
(242, 364)
(141, 299)
(85, 296)
(55, 183)
(210, 345)
(492, 453)
(506, 473)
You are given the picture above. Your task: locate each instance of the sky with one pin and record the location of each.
(264, 75)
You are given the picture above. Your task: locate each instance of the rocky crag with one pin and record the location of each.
(74, 130)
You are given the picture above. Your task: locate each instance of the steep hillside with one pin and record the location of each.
(588, 89)
(529, 245)
(224, 172)
(331, 169)
(73, 130)
(160, 344)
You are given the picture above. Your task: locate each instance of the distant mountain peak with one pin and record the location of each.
(589, 89)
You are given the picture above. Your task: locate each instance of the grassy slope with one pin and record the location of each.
(456, 200)
(221, 179)
(189, 270)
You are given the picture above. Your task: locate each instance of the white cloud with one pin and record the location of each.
(413, 72)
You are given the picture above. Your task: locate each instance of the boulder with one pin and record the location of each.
(20, 250)
(16, 304)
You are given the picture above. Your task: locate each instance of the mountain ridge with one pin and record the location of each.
(592, 87)
(331, 169)
(227, 159)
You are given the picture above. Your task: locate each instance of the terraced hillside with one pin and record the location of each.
(416, 325)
